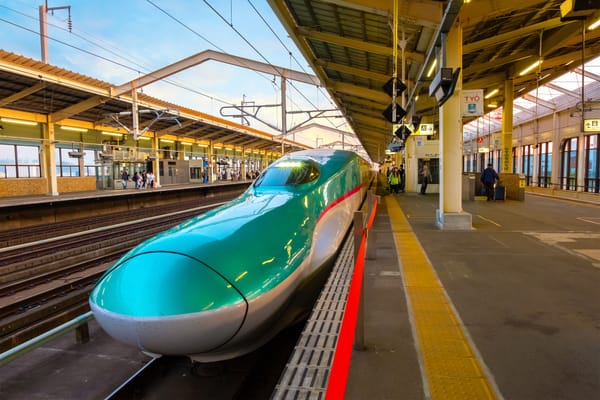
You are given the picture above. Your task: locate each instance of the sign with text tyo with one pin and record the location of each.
(472, 103)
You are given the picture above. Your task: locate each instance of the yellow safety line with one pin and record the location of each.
(451, 367)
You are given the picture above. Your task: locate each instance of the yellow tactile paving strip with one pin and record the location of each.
(452, 369)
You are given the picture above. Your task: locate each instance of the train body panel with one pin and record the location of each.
(221, 284)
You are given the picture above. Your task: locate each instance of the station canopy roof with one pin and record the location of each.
(349, 44)
(32, 87)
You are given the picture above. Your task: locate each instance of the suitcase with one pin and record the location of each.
(499, 192)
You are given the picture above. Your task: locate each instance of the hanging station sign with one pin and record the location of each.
(591, 125)
(425, 130)
(472, 103)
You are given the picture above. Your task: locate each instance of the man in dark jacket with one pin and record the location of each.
(488, 178)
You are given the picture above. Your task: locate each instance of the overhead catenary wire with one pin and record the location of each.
(124, 59)
(140, 70)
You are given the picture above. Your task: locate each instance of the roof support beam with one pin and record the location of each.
(358, 91)
(23, 93)
(516, 34)
(425, 13)
(354, 43)
(541, 102)
(353, 71)
(206, 55)
(77, 108)
(563, 90)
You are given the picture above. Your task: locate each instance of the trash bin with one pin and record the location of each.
(521, 189)
(468, 187)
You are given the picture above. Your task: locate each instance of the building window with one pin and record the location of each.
(592, 165)
(65, 164)
(19, 161)
(545, 164)
(568, 173)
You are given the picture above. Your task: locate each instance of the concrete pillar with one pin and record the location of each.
(411, 165)
(243, 164)
(450, 214)
(156, 152)
(507, 123)
(556, 151)
(49, 158)
(581, 167)
(211, 162)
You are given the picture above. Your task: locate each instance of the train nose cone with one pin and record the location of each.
(167, 303)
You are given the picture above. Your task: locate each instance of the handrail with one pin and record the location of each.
(37, 341)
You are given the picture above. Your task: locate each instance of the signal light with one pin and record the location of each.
(388, 87)
(388, 114)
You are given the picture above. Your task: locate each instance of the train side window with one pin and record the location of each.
(288, 173)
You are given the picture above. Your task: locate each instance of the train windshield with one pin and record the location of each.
(288, 173)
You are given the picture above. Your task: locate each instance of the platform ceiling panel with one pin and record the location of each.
(349, 44)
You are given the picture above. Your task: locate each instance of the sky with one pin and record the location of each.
(117, 41)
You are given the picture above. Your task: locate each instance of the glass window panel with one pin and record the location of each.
(7, 154)
(35, 171)
(23, 171)
(11, 171)
(28, 155)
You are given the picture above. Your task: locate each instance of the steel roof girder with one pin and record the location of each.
(425, 12)
(512, 35)
(539, 101)
(207, 55)
(482, 10)
(376, 95)
(354, 43)
(352, 70)
(77, 108)
(23, 93)
(378, 123)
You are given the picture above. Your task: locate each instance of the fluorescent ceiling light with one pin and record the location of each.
(530, 68)
(594, 25)
(112, 134)
(73, 128)
(143, 138)
(18, 121)
(432, 68)
(166, 141)
(186, 143)
(491, 94)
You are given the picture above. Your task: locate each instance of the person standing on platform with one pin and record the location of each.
(394, 180)
(426, 177)
(489, 176)
(402, 173)
(150, 179)
(124, 178)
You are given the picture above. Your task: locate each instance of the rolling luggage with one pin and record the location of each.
(499, 192)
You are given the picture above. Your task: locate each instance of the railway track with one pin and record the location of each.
(252, 376)
(46, 282)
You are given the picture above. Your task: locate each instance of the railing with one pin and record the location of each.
(79, 323)
(352, 328)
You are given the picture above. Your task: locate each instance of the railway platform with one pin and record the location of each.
(507, 310)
